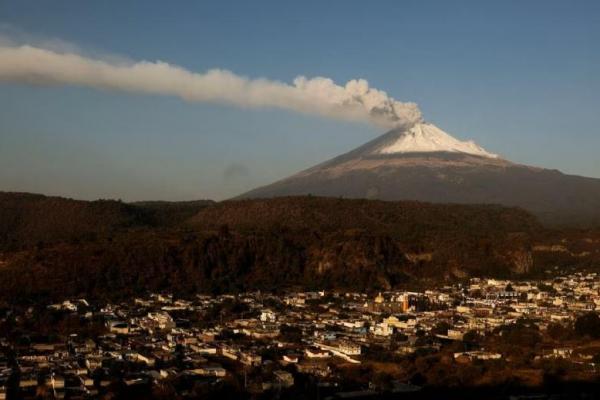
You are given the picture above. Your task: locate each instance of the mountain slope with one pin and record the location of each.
(27, 219)
(109, 249)
(171, 213)
(397, 219)
(278, 243)
(427, 164)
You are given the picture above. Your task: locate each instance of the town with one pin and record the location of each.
(321, 344)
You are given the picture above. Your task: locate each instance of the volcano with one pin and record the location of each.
(425, 163)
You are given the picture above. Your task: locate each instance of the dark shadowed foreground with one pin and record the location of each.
(54, 247)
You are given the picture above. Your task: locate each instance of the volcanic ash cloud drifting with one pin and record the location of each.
(355, 101)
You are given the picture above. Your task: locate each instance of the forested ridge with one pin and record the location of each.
(55, 247)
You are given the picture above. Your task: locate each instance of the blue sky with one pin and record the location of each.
(521, 78)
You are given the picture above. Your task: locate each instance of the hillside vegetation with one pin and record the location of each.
(58, 247)
(31, 219)
(401, 218)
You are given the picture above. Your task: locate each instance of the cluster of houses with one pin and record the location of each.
(269, 339)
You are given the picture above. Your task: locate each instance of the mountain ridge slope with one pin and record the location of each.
(449, 176)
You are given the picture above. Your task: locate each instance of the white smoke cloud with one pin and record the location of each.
(355, 101)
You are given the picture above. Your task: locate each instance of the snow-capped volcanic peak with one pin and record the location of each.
(428, 138)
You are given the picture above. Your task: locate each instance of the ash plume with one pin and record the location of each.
(354, 101)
